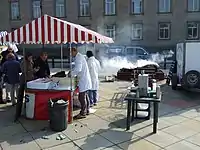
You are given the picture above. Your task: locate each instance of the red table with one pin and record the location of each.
(37, 102)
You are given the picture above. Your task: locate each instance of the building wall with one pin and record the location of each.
(123, 19)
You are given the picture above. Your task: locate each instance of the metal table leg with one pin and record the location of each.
(133, 110)
(155, 117)
(128, 121)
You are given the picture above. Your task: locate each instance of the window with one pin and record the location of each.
(164, 6)
(192, 30)
(110, 7)
(164, 31)
(130, 51)
(36, 7)
(84, 9)
(193, 5)
(110, 31)
(137, 31)
(136, 6)
(60, 8)
(140, 51)
(14, 10)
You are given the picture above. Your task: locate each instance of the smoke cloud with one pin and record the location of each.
(112, 65)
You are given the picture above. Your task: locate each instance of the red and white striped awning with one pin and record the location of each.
(50, 30)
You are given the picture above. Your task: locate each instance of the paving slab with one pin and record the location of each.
(161, 123)
(173, 118)
(195, 139)
(20, 142)
(93, 142)
(77, 131)
(113, 148)
(34, 125)
(183, 145)
(192, 124)
(97, 124)
(189, 113)
(180, 131)
(65, 146)
(47, 139)
(10, 131)
(138, 144)
(162, 139)
(118, 135)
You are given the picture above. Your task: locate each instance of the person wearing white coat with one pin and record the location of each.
(94, 67)
(81, 71)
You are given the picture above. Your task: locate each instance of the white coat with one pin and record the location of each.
(82, 72)
(94, 67)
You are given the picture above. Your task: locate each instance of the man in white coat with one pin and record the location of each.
(94, 67)
(81, 71)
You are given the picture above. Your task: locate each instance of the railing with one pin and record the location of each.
(56, 63)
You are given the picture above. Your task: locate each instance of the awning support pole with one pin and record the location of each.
(71, 85)
(61, 56)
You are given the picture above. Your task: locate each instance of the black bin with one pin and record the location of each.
(58, 115)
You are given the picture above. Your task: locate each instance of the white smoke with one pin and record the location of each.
(159, 57)
(112, 65)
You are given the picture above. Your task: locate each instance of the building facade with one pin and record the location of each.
(150, 23)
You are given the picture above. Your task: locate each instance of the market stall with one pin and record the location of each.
(50, 30)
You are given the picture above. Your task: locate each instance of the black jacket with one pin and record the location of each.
(44, 70)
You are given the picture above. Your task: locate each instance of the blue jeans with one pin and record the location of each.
(93, 96)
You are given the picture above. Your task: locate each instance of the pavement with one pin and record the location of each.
(178, 127)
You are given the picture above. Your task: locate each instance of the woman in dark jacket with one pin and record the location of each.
(27, 75)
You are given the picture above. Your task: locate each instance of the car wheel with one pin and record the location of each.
(191, 79)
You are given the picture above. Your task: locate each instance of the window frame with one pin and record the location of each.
(132, 9)
(114, 30)
(198, 25)
(192, 11)
(79, 9)
(33, 9)
(136, 39)
(169, 28)
(166, 12)
(10, 3)
(55, 9)
(115, 7)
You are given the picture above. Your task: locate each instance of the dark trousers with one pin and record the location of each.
(84, 101)
(20, 98)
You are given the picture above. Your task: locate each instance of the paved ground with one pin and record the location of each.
(179, 126)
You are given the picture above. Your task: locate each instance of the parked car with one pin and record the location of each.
(130, 52)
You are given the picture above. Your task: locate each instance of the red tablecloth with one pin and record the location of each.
(41, 102)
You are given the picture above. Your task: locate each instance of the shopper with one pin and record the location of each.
(27, 75)
(94, 67)
(84, 82)
(4, 55)
(42, 64)
(11, 69)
